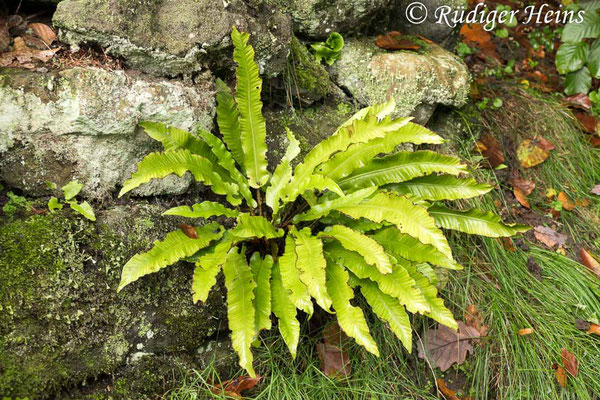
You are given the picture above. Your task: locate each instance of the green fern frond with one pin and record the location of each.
(388, 309)
(178, 162)
(228, 117)
(438, 310)
(285, 310)
(311, 264)
(240, 286)
(380, 111)
(251, 226)
(398, 284)
(207, 269)
(360, 154)
(175, 139)
(175, 247)
(401, 167)
(350, 318)
(440, 187)
(401, 245)
(474, 222)
(261, 270)
(368, 248)
(323, 209)
(225, 160)
(253, 130)
(206, 209)
(283, 173)
(290, 275)
(409, 218)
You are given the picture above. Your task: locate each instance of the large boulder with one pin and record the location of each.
(81, 123)
(175, 37)
(62, 322)
(317, 18)
(418, 81)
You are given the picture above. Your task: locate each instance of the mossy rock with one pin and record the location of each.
(61, 320)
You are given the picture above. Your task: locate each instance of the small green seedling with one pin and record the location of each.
(69, 191)
(329, 50)
(15, 202)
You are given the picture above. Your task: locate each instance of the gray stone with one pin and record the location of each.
(175, 37)
(418, 81)
(82, 124)
(430, 28)
(317, 18)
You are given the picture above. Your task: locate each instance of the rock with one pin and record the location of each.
(62, 323)
(418, 81)
(430, 28)
(175, 37)
(304, 82)
(317, 18)
(81, 123)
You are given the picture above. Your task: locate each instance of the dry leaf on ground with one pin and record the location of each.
(531, 152)
(394, 41)
(490, 148)
(595, 190)
(526, 331)
(448, 393)
(44, 32)
(334, 362)
(579, 100)
(189, 231)
(475, 34)
(534, 268)
(521, 189)
(25, 56)
(446, 347)
(588, 122)
(560, 374)
(473, 319)
(549, 236)
(5, 24)
(235, 387)
(570, 362)
(590, 261)
(567, 204)
(593, 329)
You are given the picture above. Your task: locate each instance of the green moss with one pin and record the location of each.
(61, 320)
(308, 78)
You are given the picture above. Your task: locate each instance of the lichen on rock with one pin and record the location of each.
(171, 38)
(428, 77)
(81, 123)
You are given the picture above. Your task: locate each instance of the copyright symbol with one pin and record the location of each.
(416, 13)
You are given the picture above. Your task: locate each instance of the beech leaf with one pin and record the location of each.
(446, 347)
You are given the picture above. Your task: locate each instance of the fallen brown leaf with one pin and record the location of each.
(589, 261)
(5, 24)
(490, 148)
(579, 100)
(508, 245)
(480, 38)
(473, 319)
(587, 122)
(521, 198)
(594, 329)
(235, 387)
(394, 41)
(549, 236)
(25, 55)
(448, 393)
(446, 347)
(189, 231)
(544, 144)
(526, 331)
(570, 362)
(582, 325)
(334, 362)
(531, 152)
(595, 190)
(567, 204)
(44, 32)
(595, 140)
(560, 374)
(582, 202)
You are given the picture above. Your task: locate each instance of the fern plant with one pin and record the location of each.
(355, 214)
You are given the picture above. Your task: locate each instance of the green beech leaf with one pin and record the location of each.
(578, 82)
(588, 28)
(571, 57)
(593, 60)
